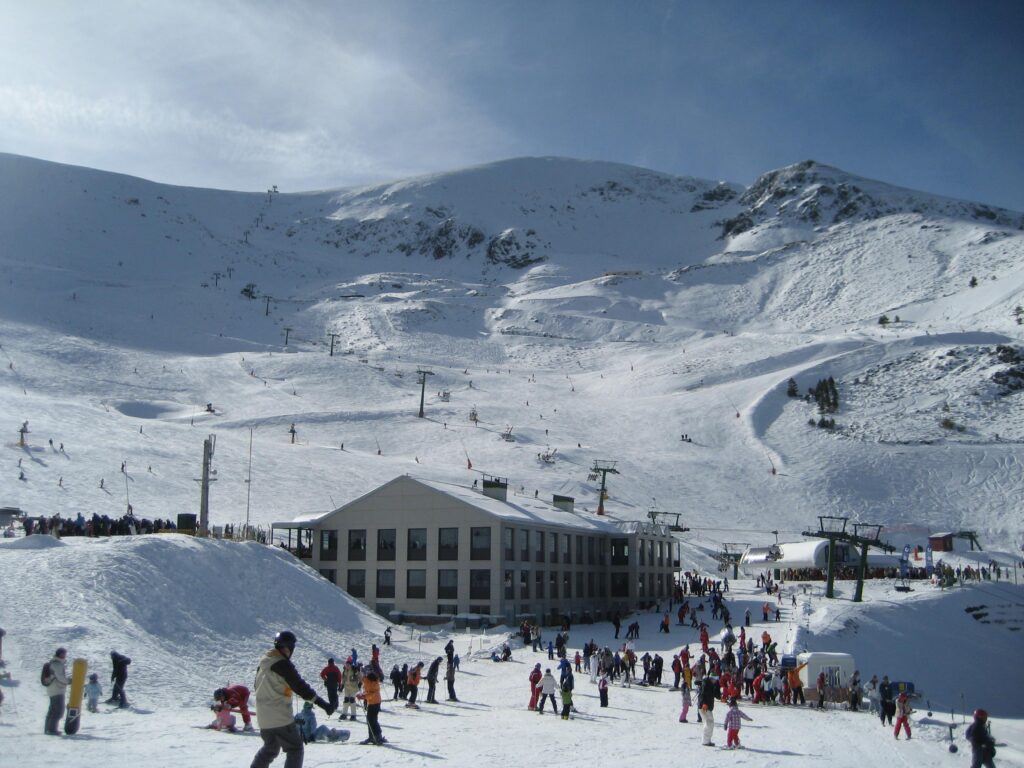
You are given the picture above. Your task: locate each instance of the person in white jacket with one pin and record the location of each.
(55, 688)
(547, 691)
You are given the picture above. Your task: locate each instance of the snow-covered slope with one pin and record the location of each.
(599, 309)
(195, 615)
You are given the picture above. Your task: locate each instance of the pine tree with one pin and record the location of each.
(791, 389)
(883, 320)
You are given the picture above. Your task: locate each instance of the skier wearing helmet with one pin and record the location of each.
(276, 678)
(983, 746)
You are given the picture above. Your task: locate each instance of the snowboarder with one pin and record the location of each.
(732, 724)
(56, 683)
(118, 676)
(331, 676)
(903, 712)
(235, 698)
(983, 746)
(276, 679)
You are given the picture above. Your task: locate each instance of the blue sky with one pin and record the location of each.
(309, 95)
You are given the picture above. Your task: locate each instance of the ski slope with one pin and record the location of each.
(194, 615)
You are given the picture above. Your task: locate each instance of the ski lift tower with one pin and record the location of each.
(834, 529)
(422, 373)
(866, 535)
(204, 492)
(603, 468)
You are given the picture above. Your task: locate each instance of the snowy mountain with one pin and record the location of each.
(599, 309)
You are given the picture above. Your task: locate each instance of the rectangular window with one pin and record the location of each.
(508, 543)
(448, 584)
(641, 550)
(591, 550)
(579, 550)
(641, 592)
(538, 546)
(328, 545)
(524, 545)
(416, 544)
(553, 584)
(620, 585)
(661, 554)
(602, 585)
(553, 547)
(524, 585)
(590, 584)
(650, 552)
(510, 585)
(415, 584)
(650, 584)
(620, 552)
(566, 584)
(566, 546)
(479, 543)
(448, 544)
(447, 609)
(356, 582)
(602, 551)
(538, 584)
(579, 585)
(357, 544)
(330, 574)
(386, 538)
(480, 584)
(483, 610)
(385, 582)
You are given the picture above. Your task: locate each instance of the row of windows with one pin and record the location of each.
(522, 586)
(415, 544)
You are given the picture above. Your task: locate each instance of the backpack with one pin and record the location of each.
(46, 676)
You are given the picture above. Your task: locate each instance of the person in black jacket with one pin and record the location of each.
(886, 700)
(983, 746)
(432, 679)
(119, 676)
(709, 693)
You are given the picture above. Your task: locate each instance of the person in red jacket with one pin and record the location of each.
(903, 711)
(704, 639)
(535, 677)
(331, 676)
(236, 699)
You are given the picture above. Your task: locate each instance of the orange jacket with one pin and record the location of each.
(371, 691)
(414, 676)
(794, 676)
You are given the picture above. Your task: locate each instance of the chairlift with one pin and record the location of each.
(507, 435)
(446, 396)
(774, 551)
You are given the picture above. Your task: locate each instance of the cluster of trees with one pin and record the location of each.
(825, 394)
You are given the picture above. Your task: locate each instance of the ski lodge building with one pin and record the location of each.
(423, 550)
(807, 559)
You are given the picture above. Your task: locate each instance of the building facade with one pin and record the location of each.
(421, 550)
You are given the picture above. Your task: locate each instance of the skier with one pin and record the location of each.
(566, 692)
(983, 746)
(387, 636)
(535, 678)
(903, 712)
(686, 704)
(93, 691)
(449, 676)
(371, 695)
(820, 685)
(886, 705)
(432, 672)
(602, 689)
(235, 698)
(396, 682)
(119, 676)
(56, 685)
(547, 691)
(351, 679)
(796, 684)
(306, 720)
(276, 679)
(331, 676)
(709, 692)
(412, 684)
(732, 724)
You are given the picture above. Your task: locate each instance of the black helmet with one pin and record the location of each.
(285, 639)
(219, 694)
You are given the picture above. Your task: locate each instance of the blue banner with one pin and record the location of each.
(905, 562)
(928, 560)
